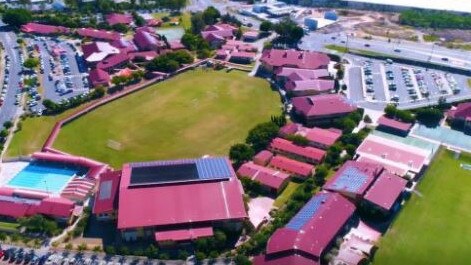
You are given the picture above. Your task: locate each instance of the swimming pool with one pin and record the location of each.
(42, 176)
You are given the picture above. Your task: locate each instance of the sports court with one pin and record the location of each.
(446, 136)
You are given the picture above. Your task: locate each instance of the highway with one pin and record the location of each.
(423, 52)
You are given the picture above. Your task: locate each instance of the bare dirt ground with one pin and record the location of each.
(369, 24)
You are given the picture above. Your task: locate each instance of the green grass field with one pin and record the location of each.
(33, 134)
(9, 227)
(193, 114)
(286, 194)
(434, 228)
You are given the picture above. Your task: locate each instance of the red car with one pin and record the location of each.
(2, 253)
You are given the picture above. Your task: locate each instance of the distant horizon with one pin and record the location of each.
(457, 6)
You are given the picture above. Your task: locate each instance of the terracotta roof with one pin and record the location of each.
(293, 259)
(180, 201)
(354, 177)
(295, 59)
(395, 124)
(16, 207)
(148, 55)
(314, 227)
(98, 77)
(266, 176)
(323, 105)
(44, 29)
(113, 61)
(386, 190)
(325, 137)
(116, 18)
(292, 166)
(315, 85)
(106, 196)
(98, 51)
(183, 234)
(244, 55)
(145, 40)
(462, 111)
(303, 73)
(98, 34)
(263, 157)
(288, 147)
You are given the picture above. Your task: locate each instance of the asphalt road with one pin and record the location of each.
(9, 110)
(417, 51)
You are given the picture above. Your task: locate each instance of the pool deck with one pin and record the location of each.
(10, 169)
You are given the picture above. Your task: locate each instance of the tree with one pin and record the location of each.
(17, 17)
(288, 32)
(430, 117)
(8, 124)
(68, 246)
(138, 20)
(240, 153)
(367, 119)
(321, 173)
(110, 250)
(266, 26)
(197, 23)
(261, 135)
(31, 63)
(298, 139)
(211, 15)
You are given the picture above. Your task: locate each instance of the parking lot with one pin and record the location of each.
(10, 76)
(408, 86)
(62, 69)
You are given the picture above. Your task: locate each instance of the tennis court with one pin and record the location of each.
(444, 136)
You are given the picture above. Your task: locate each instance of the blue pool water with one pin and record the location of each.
(48, 177)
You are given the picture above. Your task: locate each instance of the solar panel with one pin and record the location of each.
(351, 180)
(307, 212)
(174, 171)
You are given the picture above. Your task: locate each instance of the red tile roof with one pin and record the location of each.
(113, 61)
(44, 29)
(295, 59)
(354, 177)
(395, 124)
(98, 34)
(266, 176)
(16, 207)
(319, 222)
(116, 18)
(106, 196)
(462, 111)
(386, 190)
(311, 153)
(290, 128)
(292, 166)
(392, 152)
(99, 77)
(293, 259)
(323, 105)
(243, 55)
(146, 41)
(148, 55)
(179, 203)
(183, 234)
(325, 137)
(314, 85)
(263, 157)
(176, 45)
(304, 73)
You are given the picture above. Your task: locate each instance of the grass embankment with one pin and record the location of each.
(286, 194)
(193, 114)
(433, 228)
(34, 132)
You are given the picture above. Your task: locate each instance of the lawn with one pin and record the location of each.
(433, 228)
(184, 19)
(286, 194)
(8, 227)
(33, 134)
(193, 114)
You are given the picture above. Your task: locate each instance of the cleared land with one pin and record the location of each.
(433, 228)
(193, 114)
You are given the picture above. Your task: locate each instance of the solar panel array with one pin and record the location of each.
(307, 212)
(213, 168)
(351, 180)
(175, 171)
